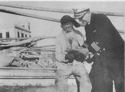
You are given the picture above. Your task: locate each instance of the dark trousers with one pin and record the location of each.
(105, 70)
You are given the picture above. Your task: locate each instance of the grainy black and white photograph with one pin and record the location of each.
(62, 46)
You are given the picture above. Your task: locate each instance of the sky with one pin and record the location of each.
(49, 28)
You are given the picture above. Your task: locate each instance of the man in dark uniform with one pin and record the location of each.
(106, 44)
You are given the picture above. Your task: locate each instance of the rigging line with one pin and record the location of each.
(59, 10)
(29, 15)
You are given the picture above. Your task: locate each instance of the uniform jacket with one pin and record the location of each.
(101, 30)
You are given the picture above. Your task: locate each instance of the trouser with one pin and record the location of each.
(80, 74)
(104, 71)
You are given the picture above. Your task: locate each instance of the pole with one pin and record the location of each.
(28, 15)
(59, 10)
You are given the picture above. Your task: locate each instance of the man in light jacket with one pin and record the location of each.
(70, 56)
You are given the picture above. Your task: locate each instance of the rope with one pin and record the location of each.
(58, 10)
(28, 15)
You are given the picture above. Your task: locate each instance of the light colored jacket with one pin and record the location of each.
(62, 43)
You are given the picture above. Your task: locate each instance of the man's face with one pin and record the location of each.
(83, 21)
(68, 27)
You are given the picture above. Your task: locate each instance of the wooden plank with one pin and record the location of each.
(24, 68)
(25, 73)
(13, 76)
(27, 82)
(16, 76)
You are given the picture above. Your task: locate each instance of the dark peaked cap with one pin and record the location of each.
(66, 19)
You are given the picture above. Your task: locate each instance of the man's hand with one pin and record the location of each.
(90, 57)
